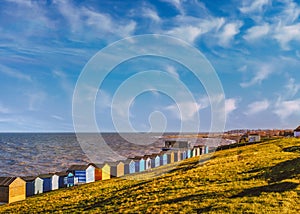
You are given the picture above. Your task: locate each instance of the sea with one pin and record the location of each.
(26, 154)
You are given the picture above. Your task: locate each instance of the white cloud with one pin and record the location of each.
(285, 34)
(230, 105)
(172, 70)
(187, 30)
(257, 32)
(262, 74)
(81, 18)
(57, 117)
(185, 111)
(4, 109)
(14, 73)
(35, 100)
(250, 6)
(257, 107)
(284, 109)
(152, 14)
(292, 87)
(228, 32)
(177, 4)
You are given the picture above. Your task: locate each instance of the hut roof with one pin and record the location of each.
(29, 178)
(114, 163)
(78, 167)
(297, 129)
(98, 165)
(128, 161)
(61, 174)
(6, 181)
(45, 175)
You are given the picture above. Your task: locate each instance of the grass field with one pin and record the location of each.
(259, 178)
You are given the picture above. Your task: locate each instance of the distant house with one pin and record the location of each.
(34, 185)
(253, 138)
(12, 189)
(84, 173)
(129, 166)
(116, 168)
(297, 132)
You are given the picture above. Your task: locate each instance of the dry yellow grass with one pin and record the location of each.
(260, 178)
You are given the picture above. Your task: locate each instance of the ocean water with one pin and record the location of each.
(23, 154)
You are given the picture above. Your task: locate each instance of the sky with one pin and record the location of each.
(253, 46)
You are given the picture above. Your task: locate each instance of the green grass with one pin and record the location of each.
(258, 178)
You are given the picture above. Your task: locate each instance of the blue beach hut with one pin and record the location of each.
(34, 185)
(163, 158)
(47, 182)
(139, 163)
(129, 166)
(84, 173)
(155, 160)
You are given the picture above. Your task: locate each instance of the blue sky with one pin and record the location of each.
(254, 46)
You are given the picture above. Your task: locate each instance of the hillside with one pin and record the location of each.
(259, 178)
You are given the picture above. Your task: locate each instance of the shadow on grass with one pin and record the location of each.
(277, 187)
(292, 149)
(284, 170)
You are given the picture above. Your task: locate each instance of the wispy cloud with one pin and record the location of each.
(257, 32)
(82, 18)
(253, 6)
(228, 32)
(4, 109)
(284, 109)
(151, 14)
(263, 73)
(172, 70)
(258, 106)
(57, 117)
(292, 87)
(185, 111)
(187, 30)
(285, 34)
(230, 105)
(14, 73)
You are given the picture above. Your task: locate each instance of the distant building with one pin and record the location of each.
(253, 138)
(173, 144)
(297, 132)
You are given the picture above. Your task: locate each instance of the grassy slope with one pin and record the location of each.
(259, 178)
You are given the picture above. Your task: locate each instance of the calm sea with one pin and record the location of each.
(24, 154)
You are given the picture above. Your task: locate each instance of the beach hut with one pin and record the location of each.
(189, 153)
(50, 182)
(65, 179)
(129, 166)
(147, 162)
(102, 171)
(12, 189)
(176, 156)
(163, 158)
(116, 168)
(155, 160)
(34, 185)
(170, 156)
(139, 163)
(183, 154)
(196, 151)
(84, 173)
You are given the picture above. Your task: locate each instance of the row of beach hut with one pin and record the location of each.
(18, 188)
